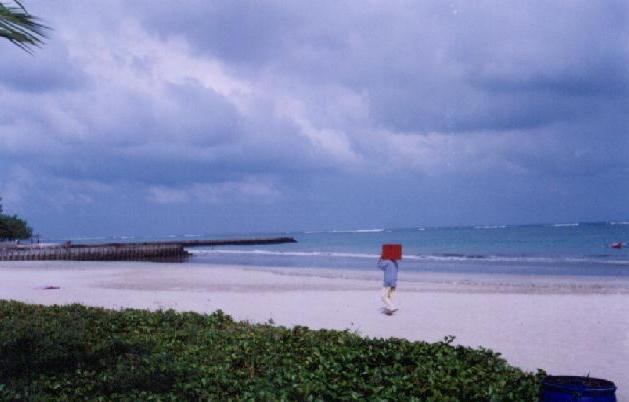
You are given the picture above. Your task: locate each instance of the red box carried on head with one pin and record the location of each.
(391, 252)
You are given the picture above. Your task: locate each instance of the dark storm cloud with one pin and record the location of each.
(49, 70)
(245, 32)
(454, 111)
(453, 66)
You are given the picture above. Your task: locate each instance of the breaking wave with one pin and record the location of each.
(447, 257)
(348, 231)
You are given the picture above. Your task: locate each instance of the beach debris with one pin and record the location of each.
(51, 287)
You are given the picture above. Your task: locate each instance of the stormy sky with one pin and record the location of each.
(174, 117)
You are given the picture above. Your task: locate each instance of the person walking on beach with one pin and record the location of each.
(390, 268)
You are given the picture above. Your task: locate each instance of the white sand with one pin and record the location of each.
(565, 325)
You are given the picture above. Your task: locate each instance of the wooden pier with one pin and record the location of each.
(147, 251)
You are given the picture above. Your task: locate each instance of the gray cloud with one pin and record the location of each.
(456, 66)
(50, 69)
(447, 108)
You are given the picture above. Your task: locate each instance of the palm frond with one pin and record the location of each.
(21, 28)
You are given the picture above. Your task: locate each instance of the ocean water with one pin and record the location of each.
(551, 249)
(546, 249)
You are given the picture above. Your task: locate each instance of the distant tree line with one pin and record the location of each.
(12, 227)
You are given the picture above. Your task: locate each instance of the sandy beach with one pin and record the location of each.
(564, 325)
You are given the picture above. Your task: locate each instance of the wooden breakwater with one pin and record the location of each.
(146, 251)
(126, 252)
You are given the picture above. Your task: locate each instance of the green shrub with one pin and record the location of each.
(78, 353)
(12, 227)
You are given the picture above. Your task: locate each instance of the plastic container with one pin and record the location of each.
(577, 389)
(391, 252)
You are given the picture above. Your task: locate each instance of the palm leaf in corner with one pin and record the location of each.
(20, 27)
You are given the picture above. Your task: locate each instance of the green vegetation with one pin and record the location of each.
(19, 27)
(79, 353)
(12, 227)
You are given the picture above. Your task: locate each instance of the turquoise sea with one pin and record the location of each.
(579, 248)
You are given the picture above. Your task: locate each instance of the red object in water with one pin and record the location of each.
(616, 245)
(391, 252)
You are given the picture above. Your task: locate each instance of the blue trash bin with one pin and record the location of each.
(577, 389)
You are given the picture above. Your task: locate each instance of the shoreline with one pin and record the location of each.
(360, 279)
(564, 325)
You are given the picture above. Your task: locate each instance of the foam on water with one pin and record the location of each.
(435, 257)
(281, 253)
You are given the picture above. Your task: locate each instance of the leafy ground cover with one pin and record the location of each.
(80, 353)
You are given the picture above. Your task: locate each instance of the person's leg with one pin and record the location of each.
(391, 292)
(386, 297)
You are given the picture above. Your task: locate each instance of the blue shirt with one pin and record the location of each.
(390, 269)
